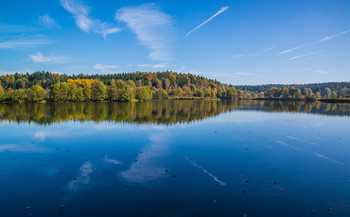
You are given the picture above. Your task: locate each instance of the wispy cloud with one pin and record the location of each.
(103, 67)
(21, 43)
(153, 28)
(333, 36)
(243, 73)
(208, 20)
(317, 42)
(47, 21)
(238, 56)
(304, 55)
(320, 71)
(40, 58)
(156, 66)
(292, 49)
(6, 28)
(270, 48)
(85, 22)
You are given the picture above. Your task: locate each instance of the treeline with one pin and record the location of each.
(306, 94)
(143, 86)
(315, 87)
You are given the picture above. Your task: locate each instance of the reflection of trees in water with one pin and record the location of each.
(159, 112)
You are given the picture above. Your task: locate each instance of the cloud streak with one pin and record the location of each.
(208, 20)
(85, 22)
(40, 58)
(13, 44)
(304, 55)
(153, 28)
(317, 42)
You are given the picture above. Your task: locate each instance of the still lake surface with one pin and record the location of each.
(175, 158)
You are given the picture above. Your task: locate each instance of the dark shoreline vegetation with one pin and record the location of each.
(143, 86)
(166, 112)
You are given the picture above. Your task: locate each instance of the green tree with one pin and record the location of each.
(112, 91)
(18, 95)
(73, 93)
(55, 92)
(328, 92)
(124, 92)
(2, 94)
(37, 93)
(285, 93)
(334, 94)
(80, 94)
(161, 94)
(98, 91)
(143, 93)
(87, 92)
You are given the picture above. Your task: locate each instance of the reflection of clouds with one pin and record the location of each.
(83, 177)
(319, 124)
(106, 126)
(314, 153)
(23, 148)
(113, 126)
(145, 169)
(288, 145)
(216, 179)
(300, 140)
(327, 158)
(111, 161)
(42, 135)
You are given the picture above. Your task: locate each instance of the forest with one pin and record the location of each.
(144, 86)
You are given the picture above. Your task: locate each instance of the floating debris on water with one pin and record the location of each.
(61, 207)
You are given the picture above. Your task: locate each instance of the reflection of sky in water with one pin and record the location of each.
(241, 162)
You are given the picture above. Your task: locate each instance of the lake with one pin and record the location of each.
(175, 158)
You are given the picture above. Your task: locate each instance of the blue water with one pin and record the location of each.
(179, 158)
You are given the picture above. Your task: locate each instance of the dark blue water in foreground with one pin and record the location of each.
(175, 158)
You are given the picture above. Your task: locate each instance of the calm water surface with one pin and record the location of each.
(175, 158)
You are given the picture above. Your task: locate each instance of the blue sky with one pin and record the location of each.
(237, 42)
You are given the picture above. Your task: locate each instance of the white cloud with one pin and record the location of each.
(238, 56)
(23, 43)
(103, 67)
(47, 21)
(156, 66)
(243, 73)
(208, 20)
(20, 148)
(270, 48)
(181, 69)
(40, 58)
(86, 23)
(290, 50)
(333, 36)
(320, 71)
(42, 135)
(153, 28)
(317, 42)
(304, 55)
